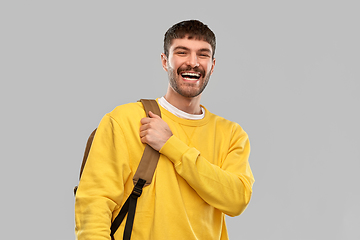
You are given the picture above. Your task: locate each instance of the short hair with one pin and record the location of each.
(193, 29)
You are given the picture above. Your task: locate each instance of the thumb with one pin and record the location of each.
(153, 115)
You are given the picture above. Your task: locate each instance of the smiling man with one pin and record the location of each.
(203, 172)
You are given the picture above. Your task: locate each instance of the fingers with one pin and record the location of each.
(143, 139)
(145, 120)
(143, 127)
(148, 119)
(146, 136)
(146, 125)
(154, 131)
(143, 134)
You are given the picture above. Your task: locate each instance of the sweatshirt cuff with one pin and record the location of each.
(174, 149)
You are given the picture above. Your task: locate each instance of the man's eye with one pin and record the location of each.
(204, 55)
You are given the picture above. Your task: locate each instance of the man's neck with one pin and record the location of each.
(188, 105)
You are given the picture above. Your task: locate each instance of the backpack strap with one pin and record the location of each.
(129, 208)
(150, 105)
(142, 178)
(86, 153)
(150, 156)
(87, 150)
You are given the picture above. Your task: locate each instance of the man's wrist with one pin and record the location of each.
(174, 149)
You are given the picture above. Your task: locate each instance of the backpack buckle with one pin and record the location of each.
(138, 188)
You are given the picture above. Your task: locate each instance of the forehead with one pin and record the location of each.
(191, 44)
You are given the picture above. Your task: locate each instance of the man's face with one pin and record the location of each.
(189, 66)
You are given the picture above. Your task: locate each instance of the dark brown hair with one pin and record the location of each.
(193, 29)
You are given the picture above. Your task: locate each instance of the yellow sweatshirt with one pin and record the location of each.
(203, 173)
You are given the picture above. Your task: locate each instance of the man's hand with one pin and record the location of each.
(154, 131)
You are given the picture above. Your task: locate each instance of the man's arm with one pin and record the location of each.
(227, 188)
(101, 187)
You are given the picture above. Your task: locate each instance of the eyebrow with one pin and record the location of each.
(187, 49)
(181, 48)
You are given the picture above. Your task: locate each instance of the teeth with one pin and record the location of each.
(191, 75)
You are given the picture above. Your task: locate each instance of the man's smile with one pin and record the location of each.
(191, 76)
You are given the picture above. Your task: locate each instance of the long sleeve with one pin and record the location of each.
(101, 187)
(227, 187)
(203, 172)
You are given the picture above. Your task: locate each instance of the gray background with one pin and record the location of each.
(287, 71)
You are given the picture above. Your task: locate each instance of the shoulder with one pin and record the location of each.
(128, 108)
(220, 121)
(226, 126)
(126, 112)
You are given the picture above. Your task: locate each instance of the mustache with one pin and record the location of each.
(195, 69)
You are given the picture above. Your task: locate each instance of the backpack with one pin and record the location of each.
(142, 178)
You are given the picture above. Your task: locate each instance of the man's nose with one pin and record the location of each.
(193, 60)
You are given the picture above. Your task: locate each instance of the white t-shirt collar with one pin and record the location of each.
(177, 112)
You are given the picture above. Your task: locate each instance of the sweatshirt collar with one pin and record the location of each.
(179, 113)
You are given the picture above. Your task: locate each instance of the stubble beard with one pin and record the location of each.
(185, 89)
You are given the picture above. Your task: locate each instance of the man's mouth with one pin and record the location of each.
(191, 76)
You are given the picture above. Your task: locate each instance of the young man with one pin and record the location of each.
(203, 171)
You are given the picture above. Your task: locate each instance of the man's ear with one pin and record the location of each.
(164, 61)
(212, 67)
